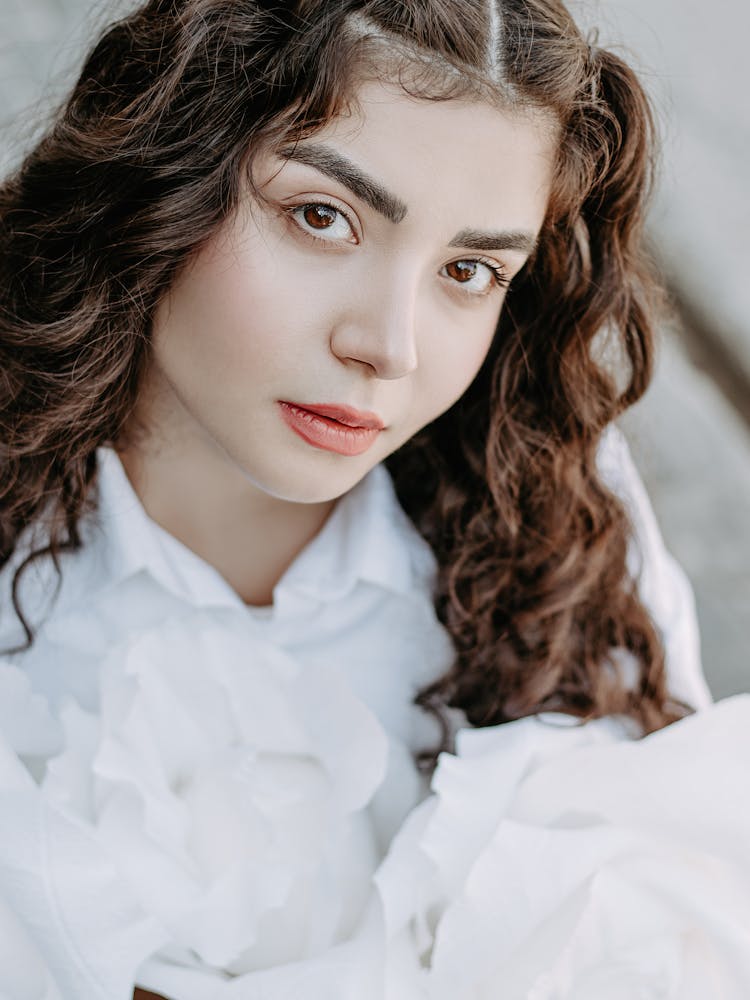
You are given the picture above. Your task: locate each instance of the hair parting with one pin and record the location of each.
(494, 43)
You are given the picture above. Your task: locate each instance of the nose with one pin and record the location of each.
(377, 326)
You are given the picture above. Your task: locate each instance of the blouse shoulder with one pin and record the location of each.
(662, 583)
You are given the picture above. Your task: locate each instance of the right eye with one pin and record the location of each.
(323, 221)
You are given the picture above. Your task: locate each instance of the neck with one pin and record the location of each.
(194, 491)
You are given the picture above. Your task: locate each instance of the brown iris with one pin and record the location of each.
(319, 216)
(463, 270)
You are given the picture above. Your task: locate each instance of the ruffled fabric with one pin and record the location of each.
(230, 826)
(564, 862)
(24, 974)
(230, 789)
(27, 726)
(69, 926)
(212, 828)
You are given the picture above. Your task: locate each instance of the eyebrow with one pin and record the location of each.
(338, 167)
(478, 239)
(334, 165)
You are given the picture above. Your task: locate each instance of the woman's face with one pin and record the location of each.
(371, 276)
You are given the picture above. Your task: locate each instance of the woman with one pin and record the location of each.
(265, 253)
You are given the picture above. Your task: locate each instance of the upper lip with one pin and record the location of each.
(344, 414)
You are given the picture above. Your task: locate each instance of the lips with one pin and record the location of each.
(344, 414)
(332, 427)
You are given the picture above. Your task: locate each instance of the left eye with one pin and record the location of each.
(475, 275)
(319, 218)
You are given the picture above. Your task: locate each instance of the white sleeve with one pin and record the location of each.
(662, 583)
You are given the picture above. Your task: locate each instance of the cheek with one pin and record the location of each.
(235, 312)
(449, 366)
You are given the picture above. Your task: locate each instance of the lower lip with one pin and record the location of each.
(328, 434)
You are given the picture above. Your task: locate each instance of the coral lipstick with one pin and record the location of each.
(340, 429)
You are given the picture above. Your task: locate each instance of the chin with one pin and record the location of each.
(300, 474)
(308, 488)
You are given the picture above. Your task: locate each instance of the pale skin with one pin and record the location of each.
(335, 304)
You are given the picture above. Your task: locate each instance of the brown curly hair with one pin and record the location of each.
(147, 159)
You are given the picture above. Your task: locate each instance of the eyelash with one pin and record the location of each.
(500, 278)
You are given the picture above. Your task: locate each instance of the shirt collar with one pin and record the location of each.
(367, 538)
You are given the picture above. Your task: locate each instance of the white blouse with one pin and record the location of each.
(358, 596)
(196, 794)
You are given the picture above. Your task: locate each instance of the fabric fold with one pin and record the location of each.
(561, 861)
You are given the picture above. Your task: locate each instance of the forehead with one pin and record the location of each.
(447, 160)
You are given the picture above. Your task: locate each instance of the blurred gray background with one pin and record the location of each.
(691, 434)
